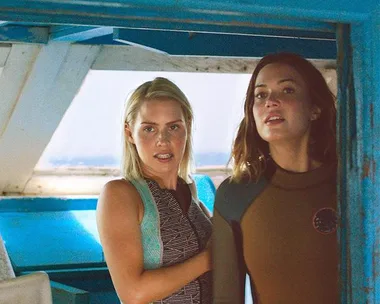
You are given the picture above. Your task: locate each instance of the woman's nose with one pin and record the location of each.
(163, 137)
(272, 100)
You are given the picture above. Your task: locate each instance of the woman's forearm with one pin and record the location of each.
(160, 283)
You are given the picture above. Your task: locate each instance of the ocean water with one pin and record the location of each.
(200, 160)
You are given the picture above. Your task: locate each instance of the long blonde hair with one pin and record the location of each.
(159, 88)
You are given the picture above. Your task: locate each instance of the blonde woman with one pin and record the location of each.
(153, 230)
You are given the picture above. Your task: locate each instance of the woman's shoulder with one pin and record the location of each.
(118, 190)
(118, 185)
(234, 197)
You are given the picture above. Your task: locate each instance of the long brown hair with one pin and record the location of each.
(250, 151)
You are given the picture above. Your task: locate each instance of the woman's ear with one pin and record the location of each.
(128, 133)
(315, 113)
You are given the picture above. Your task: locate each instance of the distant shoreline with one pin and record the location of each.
(200, 159)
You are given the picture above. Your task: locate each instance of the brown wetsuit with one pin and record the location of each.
(284, 236)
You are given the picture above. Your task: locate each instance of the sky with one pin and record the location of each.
(92, 124)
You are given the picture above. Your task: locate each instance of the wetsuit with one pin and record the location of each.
(171, 235)
(283, 234)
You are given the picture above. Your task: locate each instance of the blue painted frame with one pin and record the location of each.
(359, 92)
(360, 145)
(235, 12)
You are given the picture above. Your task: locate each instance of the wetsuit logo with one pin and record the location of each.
(325, 220)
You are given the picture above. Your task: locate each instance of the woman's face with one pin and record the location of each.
(282, 107)
(159, 134)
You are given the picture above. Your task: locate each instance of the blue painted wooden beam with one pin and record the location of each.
(257, 26)
(77, 33)
(366, 46)
(351, 238)
(201, 44)
(359, 122)
(284, 28)
(374, 176)
(236, 12)
(14, 33)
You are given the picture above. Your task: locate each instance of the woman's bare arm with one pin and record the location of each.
(119, 213)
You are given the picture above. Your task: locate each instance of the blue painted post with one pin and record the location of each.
(376, 150)
(359, 120)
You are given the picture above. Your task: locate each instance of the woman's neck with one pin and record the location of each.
(165, 182)
(293, 158)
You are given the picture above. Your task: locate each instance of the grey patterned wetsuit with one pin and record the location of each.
(171, 236)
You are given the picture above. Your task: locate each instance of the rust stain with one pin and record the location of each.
(366, 169)
(192, 35)
(369, 168)
(368, 290)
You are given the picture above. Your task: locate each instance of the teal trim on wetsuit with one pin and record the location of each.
(150, 227)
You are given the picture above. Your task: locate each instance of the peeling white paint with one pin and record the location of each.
(18, 62)
(52, 82)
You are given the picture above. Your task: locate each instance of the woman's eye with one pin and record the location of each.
(288, 90)
(174, 127)
(148, 129)
(261, 95)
